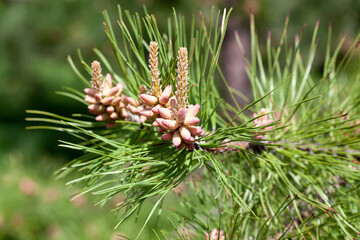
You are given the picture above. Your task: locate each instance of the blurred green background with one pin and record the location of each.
(35, 38)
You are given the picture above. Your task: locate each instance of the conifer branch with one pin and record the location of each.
(293, 162)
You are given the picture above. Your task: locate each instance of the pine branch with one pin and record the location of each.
(288, 171)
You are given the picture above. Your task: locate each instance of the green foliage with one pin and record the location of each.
(298, 187)
(294, 182)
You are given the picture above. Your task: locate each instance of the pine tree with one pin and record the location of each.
(289, 170)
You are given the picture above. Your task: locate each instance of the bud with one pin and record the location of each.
(107, 84)
(165, 113)
(191, 121)
(154, 70)
(195, 131)
(102, 117)
(165, 96)
(181, 115)
(185, 133)
(193, 110)
(90, 99)
(121, 88)
(142, 119)
(96, 80)
(90, 91)
(96, 108)
(167, 136)
(170, 124)
(107, 100)
(110, 92)
(148, 99)
(176, 139)
(132, 101)
(110, 109)
(114, 115)
(147, 113)
(182, 78)
(115, 101)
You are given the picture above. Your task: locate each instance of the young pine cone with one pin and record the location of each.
(262, 121)
(154, 103)
(181, 125)
(157, 98)
(134, 107)
(106, 101)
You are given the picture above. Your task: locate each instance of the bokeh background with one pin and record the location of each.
(36, 36)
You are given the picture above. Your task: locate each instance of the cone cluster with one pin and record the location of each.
(262, 121)
(157, 98)
(174, 117)
(153, 103)
(178, 120)
(108, 102)
(181, 126)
